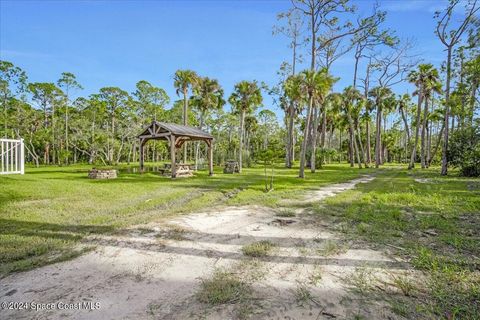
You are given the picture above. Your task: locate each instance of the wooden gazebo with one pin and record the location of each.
(176, 135)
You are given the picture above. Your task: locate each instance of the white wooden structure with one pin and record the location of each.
(12, 156)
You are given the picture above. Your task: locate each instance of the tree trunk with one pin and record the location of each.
(417, 130)
(355, 69)
(66, 133)
(369, 147)
(378, 137)
(447, 110)
(313, 158)
(354, 142)
(197, 145)
(46, 154)
(360, 144)
(429, 143)
(437, 145)
(301, 173)
(240, 149)
(313, 38)
(185, 110)
(287, 138)
(290, 142)
(294, 140)
(405, 122)
(32, 152)
(473, 99)
(351, 152)
(111, 147)
(340, 158)
(54, 150)
(5, 124)
(423, 138)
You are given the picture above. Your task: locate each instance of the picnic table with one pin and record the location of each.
(182, 169)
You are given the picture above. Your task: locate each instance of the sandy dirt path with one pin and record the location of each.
(154, 271)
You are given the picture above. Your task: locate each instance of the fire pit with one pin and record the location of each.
(102, 174)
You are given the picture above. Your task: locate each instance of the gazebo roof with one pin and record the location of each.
(160, 130)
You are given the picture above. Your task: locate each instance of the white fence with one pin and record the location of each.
(12, 156)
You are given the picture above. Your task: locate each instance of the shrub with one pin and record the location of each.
(464, 151)
(324, 154)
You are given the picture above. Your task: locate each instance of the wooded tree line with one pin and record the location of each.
(366, 123)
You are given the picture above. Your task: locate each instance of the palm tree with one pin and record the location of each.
(308, 87)
(379, 94)
(351, 96)
(369, 106)
(335, 101)
(207, 96)
(360, 117)
(309, 84)
(245, 98)
(389, 105)
(293, 91)
(315, 85)
(183, 81)
(433, 86)
(324, 85)
(425, 79)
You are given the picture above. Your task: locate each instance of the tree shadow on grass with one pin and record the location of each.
(50, 230)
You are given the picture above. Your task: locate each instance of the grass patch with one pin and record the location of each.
(37, 261)
(302, 294)
(330, 248)
(258, 249)
(252, 270)
(316, 276)
(404, 283)
(434, 225)
(400, 308)
(454, 294)
(285, 213)
(362, 280)
(224, 287)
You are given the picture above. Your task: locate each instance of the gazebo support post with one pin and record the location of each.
(172, 156)
(210, 156)
(142, 151)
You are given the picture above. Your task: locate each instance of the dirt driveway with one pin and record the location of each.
(155, 271)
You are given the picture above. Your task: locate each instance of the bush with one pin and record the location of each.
(464, 151)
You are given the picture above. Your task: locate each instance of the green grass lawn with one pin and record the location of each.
(433, 222)
(47, 211)
(430, 220)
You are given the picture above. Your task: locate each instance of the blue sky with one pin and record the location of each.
(117, 43)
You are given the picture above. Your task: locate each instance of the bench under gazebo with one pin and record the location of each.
(176, 135)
